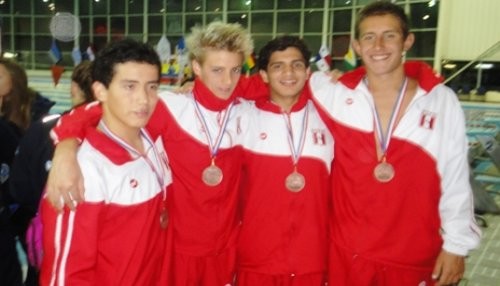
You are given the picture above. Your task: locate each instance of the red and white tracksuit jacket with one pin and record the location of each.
(428, 205)
(114, 237)
(284, 233)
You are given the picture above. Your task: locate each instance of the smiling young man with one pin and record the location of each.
(402, 203)
(287, 154)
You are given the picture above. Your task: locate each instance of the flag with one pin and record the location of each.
(249, 63)
(57, 71)
(90, 53)
(54, 52)
(163, 49)
(76, 54)
(350, 59)
(323, 59)
(181, 46)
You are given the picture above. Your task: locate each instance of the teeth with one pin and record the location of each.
(288, 82)
(380, 57)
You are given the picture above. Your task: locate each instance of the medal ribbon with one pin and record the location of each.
(126, 146)
(213, 146)
(297, 150)
(384, 140)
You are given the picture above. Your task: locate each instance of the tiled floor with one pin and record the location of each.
(483, 264)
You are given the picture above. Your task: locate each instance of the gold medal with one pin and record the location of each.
(383, 172)
(295, 182)
(163, 218)
(212, 175)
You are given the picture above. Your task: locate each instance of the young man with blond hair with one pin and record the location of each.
(199, 130)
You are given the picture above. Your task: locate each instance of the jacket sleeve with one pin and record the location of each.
(31, 165)
(252, 87)
(74, 123)
(460, 231)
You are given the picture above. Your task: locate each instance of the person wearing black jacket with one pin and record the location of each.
(33, 159)
(19, 105)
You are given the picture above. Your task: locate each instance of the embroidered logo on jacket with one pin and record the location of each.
(427, 119)
(319, 137)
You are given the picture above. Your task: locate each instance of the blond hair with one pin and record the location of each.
(218, 36)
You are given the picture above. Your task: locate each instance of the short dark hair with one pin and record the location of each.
(280, 44)
(120, 52)
(381, 8)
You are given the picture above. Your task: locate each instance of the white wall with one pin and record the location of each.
(467, 28)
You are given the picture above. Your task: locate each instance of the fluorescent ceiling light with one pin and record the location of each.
(484, 66)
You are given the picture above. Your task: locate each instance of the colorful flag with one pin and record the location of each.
(249, 63)
(90, 53)
(163, 49)
(54, 52)
(350, 59)
(76, 54)
(323, 59)
(181, 47)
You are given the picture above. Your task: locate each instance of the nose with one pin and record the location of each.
(379, 42)
(143, 95)
(227, 78)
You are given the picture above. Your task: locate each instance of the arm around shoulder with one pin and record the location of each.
(65, 181)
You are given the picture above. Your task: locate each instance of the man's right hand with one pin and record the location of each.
(65, 180)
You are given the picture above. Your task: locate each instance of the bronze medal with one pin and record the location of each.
(163, 219)
(383, 172)
(212, 175)
(295, 182)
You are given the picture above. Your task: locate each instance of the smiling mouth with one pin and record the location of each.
(380, 57)
(288, 82)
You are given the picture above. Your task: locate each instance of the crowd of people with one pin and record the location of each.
(286, 177)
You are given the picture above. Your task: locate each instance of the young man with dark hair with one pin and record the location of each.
(287, 155)
(402, 202)
(117, 234)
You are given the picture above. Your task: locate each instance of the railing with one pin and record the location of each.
(489, 52)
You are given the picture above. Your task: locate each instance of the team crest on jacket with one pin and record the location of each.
(427, 119)
(263, 136)
(319, 136)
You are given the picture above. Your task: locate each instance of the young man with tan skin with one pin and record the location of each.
(117, 234)
(402, 202)
(287, 155)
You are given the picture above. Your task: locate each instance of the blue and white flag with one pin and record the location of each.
(90, 53)
(181, 46)
(54, 52)
(76, 54)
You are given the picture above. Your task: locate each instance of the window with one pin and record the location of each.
(25, 24)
